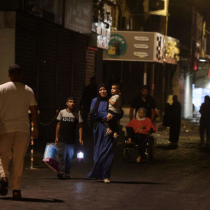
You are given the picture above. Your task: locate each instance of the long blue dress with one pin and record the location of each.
(103, 147)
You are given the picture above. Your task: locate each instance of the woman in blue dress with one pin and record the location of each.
(103, 147)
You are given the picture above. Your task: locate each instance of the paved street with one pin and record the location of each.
(177, 179)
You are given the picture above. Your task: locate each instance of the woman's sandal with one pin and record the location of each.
(4, 186)
(108, 133)
(16, 194)
(106, 180)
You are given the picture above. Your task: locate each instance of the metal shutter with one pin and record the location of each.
(79, 65)
(90, 65)
(64, 66)
(47, 63)
(26, 48)
(53, 60)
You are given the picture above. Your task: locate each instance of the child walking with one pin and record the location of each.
(68, 121)
(114, 109)
(140, 127)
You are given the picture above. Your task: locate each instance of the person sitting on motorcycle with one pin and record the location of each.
(140, 127)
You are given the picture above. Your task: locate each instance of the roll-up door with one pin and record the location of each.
(90, 65)
(79, 65)
(47, 65)
(53, 60)
(64, 66)
(26, 48)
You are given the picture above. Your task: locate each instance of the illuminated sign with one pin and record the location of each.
(142, 46)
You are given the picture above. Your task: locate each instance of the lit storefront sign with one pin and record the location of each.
(171, 50)
(142, 46)
(102, 24)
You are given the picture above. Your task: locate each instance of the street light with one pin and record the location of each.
(203, 60)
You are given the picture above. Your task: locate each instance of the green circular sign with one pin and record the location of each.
(117, 46)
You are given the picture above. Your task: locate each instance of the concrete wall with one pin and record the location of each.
(188, 97)
(7, 43)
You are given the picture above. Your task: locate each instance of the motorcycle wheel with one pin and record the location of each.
(126, 156)
(151, 151)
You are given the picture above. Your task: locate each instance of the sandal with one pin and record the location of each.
(108, 133)
(106, 180)
(67, 176)
(60, 175)
(16, 194)
(4, 186)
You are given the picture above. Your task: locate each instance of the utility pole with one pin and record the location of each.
(166, 28)
(145, 73)
(164, 64)
(152, 79)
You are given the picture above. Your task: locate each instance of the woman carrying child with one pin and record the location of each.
(104, 147)
(139, 128)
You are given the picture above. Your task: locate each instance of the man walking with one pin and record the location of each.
(15, 101)
(88, 94)
(175, 121)
(204, 121)
(144, 100)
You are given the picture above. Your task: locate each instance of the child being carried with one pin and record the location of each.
(114, 109)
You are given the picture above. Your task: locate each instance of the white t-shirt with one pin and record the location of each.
(117, 107)
(15, 100)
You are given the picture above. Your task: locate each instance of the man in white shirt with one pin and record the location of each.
(15, 101)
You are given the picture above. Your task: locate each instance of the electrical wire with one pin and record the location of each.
(46, 124)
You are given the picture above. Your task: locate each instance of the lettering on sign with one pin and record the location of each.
(141, 38)
(141, 54)
(141, 46)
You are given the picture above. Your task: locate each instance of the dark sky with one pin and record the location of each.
(202, 5)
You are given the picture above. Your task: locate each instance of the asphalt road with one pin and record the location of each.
(177, 179)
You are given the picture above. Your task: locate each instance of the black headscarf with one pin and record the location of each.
(100, 98)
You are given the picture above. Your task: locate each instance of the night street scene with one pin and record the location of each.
(105, 104)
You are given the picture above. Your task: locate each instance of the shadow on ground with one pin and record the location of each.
(36, 200)
(131, 182)
(113, 182)
(168, 147)
(73, 179)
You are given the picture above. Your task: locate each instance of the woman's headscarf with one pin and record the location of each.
(137, 116)
(100, 98)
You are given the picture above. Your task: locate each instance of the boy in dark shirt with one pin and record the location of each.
(66, 136)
